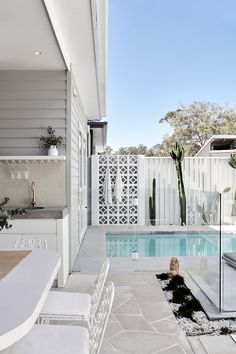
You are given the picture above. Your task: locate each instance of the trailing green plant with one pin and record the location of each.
(178, 280)
(177, 154)
(232, 163)
(180, 295)
(185, 311)
(152, 203)
(210, 213)
(194, 304)
(51, 139)
(232, 160)
(6, 215)
(163, 276)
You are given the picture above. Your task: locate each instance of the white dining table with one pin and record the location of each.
(23, 292)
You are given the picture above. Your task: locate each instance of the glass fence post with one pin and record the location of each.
(220, 258)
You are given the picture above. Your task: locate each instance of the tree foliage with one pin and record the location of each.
(195, 123)
(132, 150)
(192, 125)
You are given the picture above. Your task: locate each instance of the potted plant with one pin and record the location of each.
(51, 141)
(6, 215)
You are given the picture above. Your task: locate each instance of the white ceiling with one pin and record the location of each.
(24, 29)
(70, 33)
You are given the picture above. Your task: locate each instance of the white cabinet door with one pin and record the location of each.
(55, 232)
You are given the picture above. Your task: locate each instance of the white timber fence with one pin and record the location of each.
(204, 178)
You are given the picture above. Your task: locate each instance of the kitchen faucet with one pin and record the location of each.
(33, 189)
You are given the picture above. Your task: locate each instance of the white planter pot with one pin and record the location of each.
(52, 151)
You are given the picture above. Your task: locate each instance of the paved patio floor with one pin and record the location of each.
(141, 321)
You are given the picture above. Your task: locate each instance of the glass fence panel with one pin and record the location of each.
(202, 262)
(228, 250)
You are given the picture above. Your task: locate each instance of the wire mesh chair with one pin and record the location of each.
(98, 327)
(67, 339)
(62, 306)
(31, 243)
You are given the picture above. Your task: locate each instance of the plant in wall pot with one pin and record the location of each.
(7, 215)
(51, 141)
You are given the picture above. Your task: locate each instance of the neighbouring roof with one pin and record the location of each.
(219, 139)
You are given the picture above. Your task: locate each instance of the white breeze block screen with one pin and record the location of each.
(128, 207)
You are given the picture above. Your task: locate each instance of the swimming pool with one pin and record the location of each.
(168, 244)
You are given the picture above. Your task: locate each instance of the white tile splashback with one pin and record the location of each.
(15, 183)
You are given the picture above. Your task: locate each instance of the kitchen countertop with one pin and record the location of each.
(58, 212)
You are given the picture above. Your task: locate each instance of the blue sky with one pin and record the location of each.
(162, 53)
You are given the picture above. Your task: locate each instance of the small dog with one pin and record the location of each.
(174, 266)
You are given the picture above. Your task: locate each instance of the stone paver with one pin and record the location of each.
(141, 343)
(134, 323)
(218, 344)
(166, 326)
(146, 318)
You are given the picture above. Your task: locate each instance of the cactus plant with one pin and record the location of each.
(210, 213)
(177, 154)
(152, 203)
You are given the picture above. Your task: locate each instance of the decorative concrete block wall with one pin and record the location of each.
(131, 209)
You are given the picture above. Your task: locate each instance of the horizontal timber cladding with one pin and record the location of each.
(77, 194)
(29, 102)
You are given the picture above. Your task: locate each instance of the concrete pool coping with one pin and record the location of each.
(94, 247)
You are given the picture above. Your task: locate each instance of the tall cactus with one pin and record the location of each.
(177, 155)
(152, 203)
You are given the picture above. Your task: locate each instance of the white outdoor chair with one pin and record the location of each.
(62, 305)
(31, 243)
(48, 339)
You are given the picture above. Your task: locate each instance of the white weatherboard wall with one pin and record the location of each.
(77, 190)
(29, 102)
(201, 176)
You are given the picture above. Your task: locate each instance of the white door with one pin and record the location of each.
(83, 210)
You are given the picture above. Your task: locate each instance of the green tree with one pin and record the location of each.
(195, 123)
(108, 151)
(132, 150)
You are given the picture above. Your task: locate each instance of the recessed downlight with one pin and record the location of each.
(38, 52)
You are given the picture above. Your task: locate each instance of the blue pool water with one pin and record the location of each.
(168, 244)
